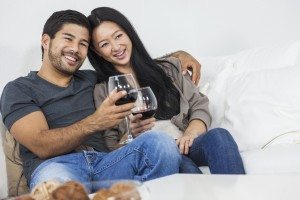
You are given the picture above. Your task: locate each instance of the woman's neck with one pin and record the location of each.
(127, 70)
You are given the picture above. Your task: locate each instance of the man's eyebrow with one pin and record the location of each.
(69, 34)
(73, 36)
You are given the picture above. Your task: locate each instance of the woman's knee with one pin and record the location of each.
(220, 137)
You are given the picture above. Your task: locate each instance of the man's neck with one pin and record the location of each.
(54, 76)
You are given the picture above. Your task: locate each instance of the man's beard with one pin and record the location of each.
(57, 63)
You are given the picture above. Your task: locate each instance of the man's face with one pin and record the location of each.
(68, 49)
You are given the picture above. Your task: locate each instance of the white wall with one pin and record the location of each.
(202, 27)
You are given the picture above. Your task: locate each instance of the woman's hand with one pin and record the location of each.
(138, 126)
(185, 142)
(195, 128)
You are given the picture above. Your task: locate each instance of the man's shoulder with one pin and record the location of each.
(88, 75)
(23, 81)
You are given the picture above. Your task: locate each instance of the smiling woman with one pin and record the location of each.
(114, 45)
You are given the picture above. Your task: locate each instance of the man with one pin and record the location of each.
(51, 114)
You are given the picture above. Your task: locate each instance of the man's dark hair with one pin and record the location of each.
(56, 21)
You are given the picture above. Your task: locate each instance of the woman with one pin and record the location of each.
(117, 49)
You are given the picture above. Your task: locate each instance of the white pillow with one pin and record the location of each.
(216, 92)
(262, 105)
(210, 68)
(279, 159)
(267, 57)
(214, 74)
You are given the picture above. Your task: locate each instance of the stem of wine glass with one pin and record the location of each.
(129, 136)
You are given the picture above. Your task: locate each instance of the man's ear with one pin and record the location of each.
(45, 41)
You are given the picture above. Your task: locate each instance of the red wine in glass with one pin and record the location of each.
(146, 114)
(146, 103)
(129, 98)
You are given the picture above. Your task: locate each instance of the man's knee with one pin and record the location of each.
(159, 140)
(57, 169)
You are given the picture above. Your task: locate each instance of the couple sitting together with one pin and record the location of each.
(69, 127)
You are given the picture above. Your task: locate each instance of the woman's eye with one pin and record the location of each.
(103, 45)
(119, 35)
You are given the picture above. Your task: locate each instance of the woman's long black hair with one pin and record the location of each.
(147, 70)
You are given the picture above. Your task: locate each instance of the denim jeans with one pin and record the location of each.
(215, 149)
(149, 156)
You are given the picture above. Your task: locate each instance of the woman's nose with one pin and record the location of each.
(115, 46)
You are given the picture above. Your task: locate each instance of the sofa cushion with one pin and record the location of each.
(262, 105)
(276, 159)
(17, 184)
(267, 57)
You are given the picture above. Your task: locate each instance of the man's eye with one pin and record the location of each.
(68, 39)
(84, 44)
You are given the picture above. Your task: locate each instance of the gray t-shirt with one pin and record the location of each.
(62, 106)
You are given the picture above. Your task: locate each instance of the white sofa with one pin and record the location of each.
(254, 94)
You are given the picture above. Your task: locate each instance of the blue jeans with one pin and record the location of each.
(149, 156)
(215, 149)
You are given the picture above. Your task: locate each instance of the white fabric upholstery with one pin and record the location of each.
(261, 105)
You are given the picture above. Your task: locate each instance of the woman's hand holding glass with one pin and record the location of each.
(139, 126)
(144, 111)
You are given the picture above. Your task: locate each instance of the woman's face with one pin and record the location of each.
(112, 43)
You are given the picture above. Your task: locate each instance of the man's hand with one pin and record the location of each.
(138, 126)
(108, 114)
(188, 62)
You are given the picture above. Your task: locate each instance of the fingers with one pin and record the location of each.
(196, 77)
(136, 132)
(115, 96)
(110, 101)
(184, 144)
(140, 126)
(196, 71)
(135, 118)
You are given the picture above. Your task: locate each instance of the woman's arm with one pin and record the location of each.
(194, 106)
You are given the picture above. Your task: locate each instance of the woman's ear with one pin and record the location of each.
(45, 41)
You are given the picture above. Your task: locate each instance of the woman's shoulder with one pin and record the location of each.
(101, 89)
(169, 63)
(101, 85)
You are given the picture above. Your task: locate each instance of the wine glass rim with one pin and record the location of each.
(122, 75)
(144, 88)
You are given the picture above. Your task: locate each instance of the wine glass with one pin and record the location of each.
(146, 103)
(124, 82)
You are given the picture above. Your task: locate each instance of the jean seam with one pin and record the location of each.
(118, 159)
